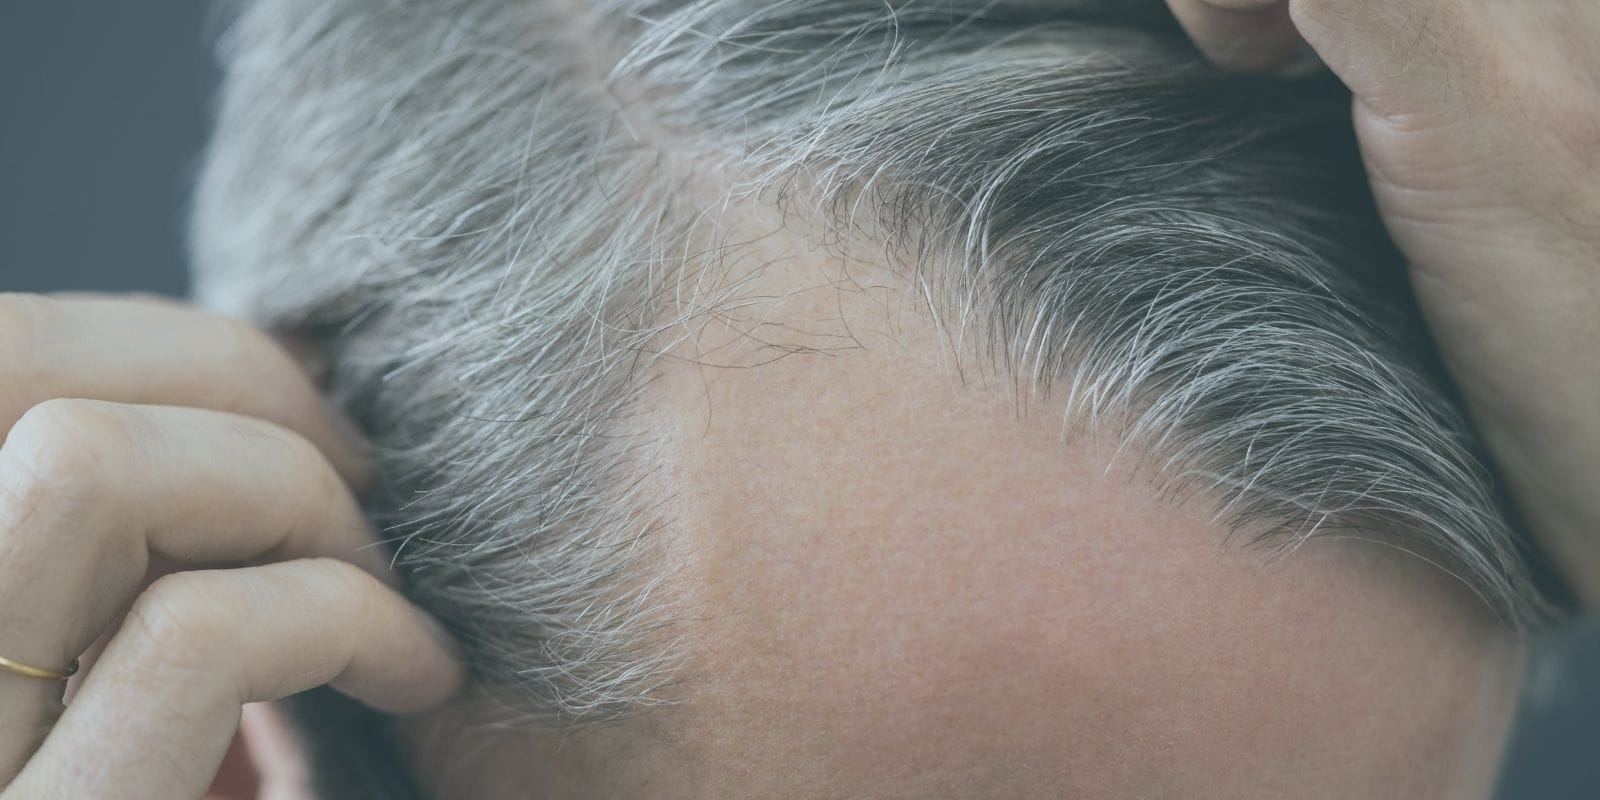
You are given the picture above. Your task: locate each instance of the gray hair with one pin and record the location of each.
(478, 205)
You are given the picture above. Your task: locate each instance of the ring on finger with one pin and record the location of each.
(39, 672)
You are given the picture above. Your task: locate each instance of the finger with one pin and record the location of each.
(1246, 35)
(157, 712)
(160, 352)
(312, 361)
(90, 489)
(1401, 57)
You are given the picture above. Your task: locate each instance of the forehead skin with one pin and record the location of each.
(896, 582)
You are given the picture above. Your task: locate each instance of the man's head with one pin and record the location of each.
(979, 398)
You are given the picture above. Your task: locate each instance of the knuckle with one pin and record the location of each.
(180, 620)
(281, 451)
(55, 454)
(346, 577)
(291, 467)
(361, 592)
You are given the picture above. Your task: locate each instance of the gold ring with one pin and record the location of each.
(35, 672)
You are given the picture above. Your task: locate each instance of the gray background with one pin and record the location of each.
(104, 108)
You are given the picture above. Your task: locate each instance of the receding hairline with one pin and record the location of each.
(508, 227)
(790, 282)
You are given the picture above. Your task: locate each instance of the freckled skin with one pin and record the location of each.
(894, 583)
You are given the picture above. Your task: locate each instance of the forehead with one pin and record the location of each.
(896, 572)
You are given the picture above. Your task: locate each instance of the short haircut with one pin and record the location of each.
(476, 205)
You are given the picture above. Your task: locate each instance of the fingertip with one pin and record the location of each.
(1241, 35)
(306, 354)
(454, 668)
(355, 461)
(351, 450)
(438, 671)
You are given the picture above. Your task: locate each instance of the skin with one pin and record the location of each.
(1480, 124)
(205, 445)
(891, 583)
(1101, 642)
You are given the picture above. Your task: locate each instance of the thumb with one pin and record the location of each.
(1398, 57)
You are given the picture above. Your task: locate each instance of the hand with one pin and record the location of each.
(1479, 122)
(140, 429)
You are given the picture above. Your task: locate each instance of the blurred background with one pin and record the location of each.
(103, 111)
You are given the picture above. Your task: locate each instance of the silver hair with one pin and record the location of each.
(477, 205)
